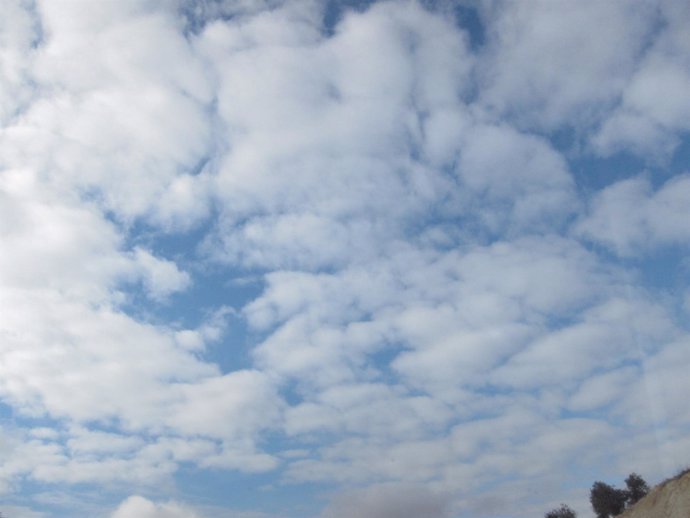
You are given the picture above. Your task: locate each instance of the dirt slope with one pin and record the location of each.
(670, 499)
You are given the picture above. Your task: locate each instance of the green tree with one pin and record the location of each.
(562, 512)
(637, 488)
(606, 500)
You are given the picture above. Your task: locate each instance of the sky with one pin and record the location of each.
(341, 259)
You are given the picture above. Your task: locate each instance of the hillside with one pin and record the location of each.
(670, 499)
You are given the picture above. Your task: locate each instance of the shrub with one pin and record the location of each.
(637, 488)
(606, 500)
(562, 512)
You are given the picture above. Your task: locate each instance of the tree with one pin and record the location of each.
(637, 488)
(562, 512)
(607, 501)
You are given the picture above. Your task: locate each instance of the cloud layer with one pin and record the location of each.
(363, 254)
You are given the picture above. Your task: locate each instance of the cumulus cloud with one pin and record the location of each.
(631, 217)
(556, 64)
(20, 31)
(161, 277)
(334, 132)
(506, 167)
(105, 64)
(653, 109)
(140, 507)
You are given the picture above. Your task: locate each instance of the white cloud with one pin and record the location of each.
(83, 440)
(115, 370)
(660, 387)
(633, 219)
(457, 314)
(654, 109)
(368, 408)
(113, 135)
(43, 239)
(19, 31)
(607, 336)
(557, 64)
(507, 167)
(519, 436)
(140, 507)
(604, 389)
(225, 406)
(427, 315)
(95, 348)
(319, 138)
(161, 277)
(120, 111)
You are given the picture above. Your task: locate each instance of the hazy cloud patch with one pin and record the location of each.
(388, 502)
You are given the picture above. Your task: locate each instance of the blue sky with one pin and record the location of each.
(274, 259)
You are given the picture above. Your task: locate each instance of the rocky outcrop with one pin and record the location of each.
(670, 499)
